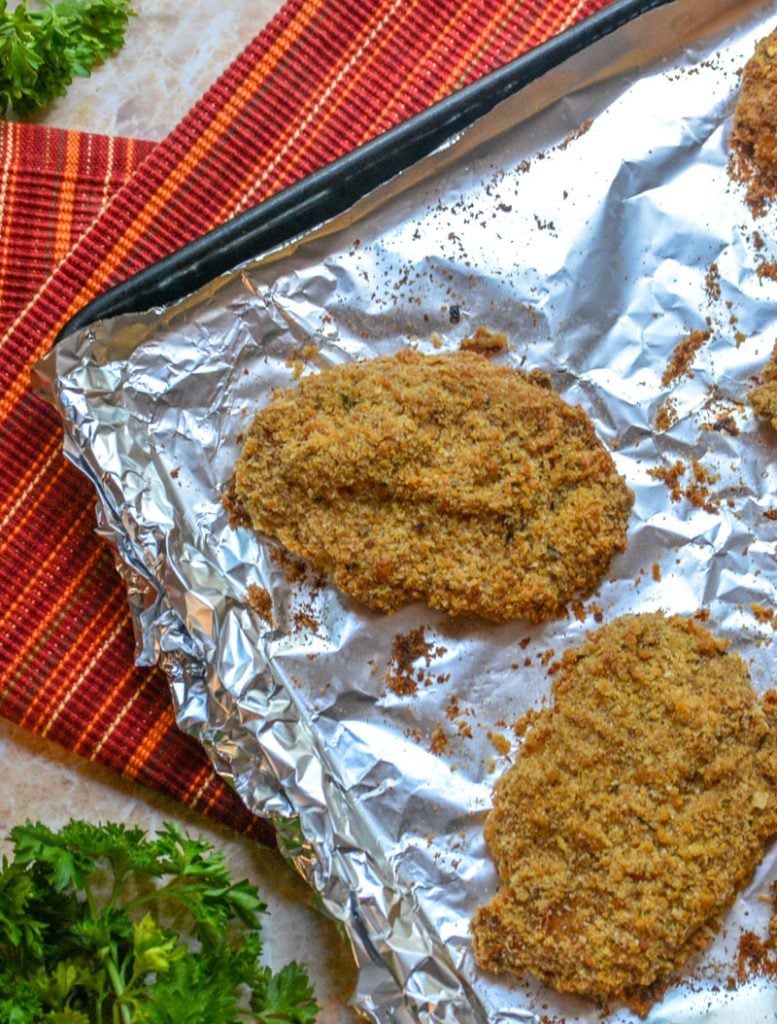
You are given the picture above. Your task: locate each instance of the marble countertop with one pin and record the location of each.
(173, 52)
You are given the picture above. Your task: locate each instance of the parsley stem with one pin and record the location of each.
(118, 987)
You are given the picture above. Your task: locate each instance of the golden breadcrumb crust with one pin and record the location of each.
(639, 804)
(754, 128)
(764, 397)
(442, 478)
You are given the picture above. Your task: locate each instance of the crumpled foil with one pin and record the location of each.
(593, 219)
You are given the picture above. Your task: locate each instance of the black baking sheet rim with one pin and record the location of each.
(338, 185)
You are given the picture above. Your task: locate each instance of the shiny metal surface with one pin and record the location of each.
(593, 219)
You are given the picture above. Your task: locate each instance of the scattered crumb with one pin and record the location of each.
(655, 571)
(712, 282)
(576, 133)
(439, 743)
(670, 475)
(666, 416)
(260, 600)
(235, 511)
(452, 708)
(767, 269)
(764, 614)
(500, 742)
(682, 357)
(485, 341)
(754, 958)
(296, 362)
(724, 423)
(403, 675)
(294, 569)
(698, 492)
(303, 620)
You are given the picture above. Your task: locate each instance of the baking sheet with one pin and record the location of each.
(591, 218)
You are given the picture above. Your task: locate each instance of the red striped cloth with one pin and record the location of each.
(80, 213)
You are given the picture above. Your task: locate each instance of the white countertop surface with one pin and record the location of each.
(173, 52)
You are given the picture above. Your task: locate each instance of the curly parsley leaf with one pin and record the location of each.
(42, 51)
(99, 924)
(286, 996)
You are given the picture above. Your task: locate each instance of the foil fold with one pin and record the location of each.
(592, 219)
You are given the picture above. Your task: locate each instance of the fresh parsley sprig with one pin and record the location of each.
(42, 51)
(91, 932)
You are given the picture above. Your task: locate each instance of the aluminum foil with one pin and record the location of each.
(592, 218)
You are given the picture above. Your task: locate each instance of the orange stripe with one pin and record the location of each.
(243, 94)
(311, 111)
(43, 627)
(47, 484)
(572, 16)
(67, 194)
(198, 785)
(68, 679)
(7, 189)
(36, 642)
(22, 381)
(438, 52)
(458, 73)
(113, 258)
(121, 683)
(145, 751)
(216, 784)
(148, 213)
(552, 25)
(107, 190)
(35, 476)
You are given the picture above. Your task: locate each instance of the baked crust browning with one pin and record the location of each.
(754, 129)
(441, 478)
(637, 808)
(763, 398)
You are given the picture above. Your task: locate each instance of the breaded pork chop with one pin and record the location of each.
(763, 398)
(754, 130)
(639, 804)
(441, 478)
